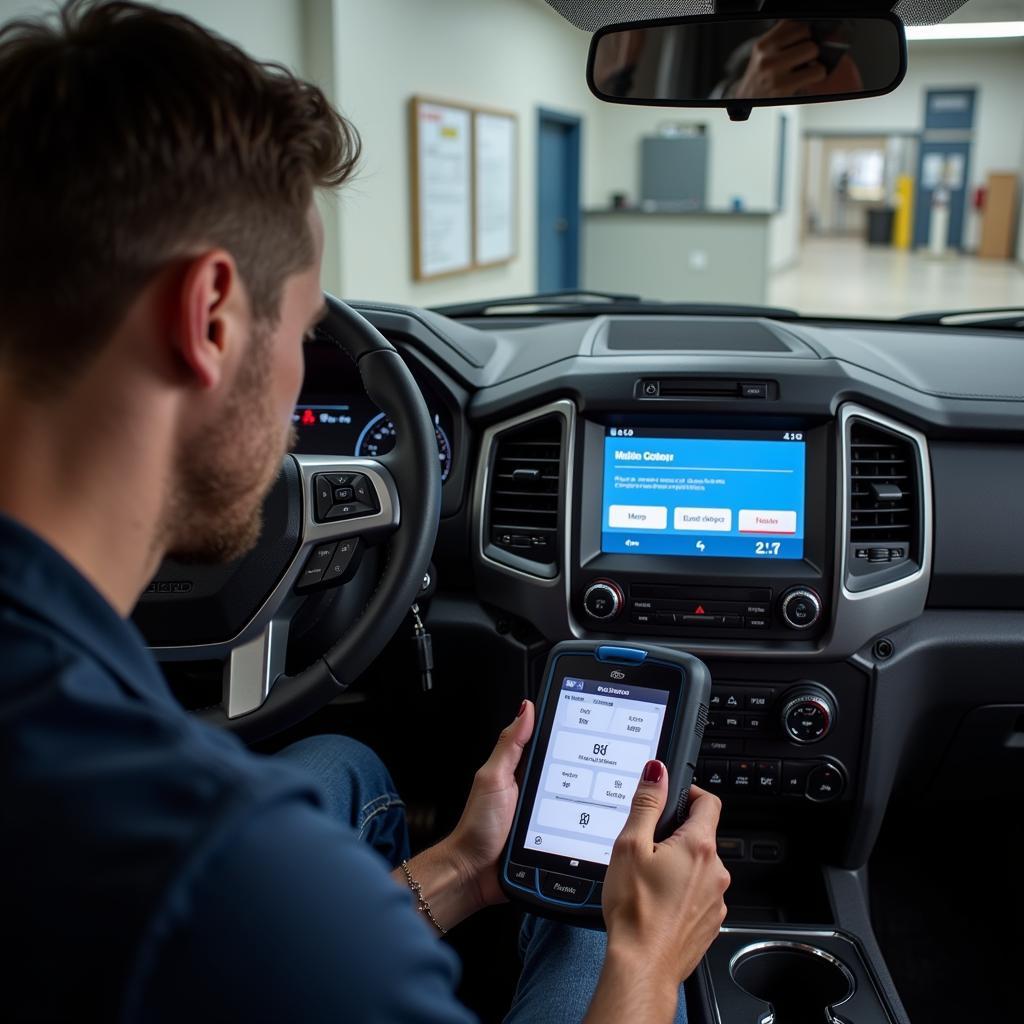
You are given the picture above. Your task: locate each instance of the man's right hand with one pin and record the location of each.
(662, 902)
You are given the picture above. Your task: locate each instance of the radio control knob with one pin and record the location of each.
(602, 600)
(801, 608)
(808, 716)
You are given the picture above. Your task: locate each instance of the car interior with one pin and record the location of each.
(822, 507)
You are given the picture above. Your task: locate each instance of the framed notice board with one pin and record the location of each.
(495, 166)
(464, 176)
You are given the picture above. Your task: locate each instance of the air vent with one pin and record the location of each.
(885, 492)
(523, 503)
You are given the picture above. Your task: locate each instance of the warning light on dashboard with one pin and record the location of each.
(700, 610)
(308, 419)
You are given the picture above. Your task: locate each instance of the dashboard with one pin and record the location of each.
(826, 512)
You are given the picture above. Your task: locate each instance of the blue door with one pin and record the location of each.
(558, 202)
(944, 160)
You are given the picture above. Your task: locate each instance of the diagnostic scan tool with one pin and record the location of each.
(604, 712)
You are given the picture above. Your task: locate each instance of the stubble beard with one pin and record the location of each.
(215, 510)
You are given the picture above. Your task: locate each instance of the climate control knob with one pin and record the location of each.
(602, 600)
(808, 716)
(801, 608)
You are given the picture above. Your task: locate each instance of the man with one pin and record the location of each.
(159, 268)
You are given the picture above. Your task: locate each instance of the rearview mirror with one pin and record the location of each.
(739, 62)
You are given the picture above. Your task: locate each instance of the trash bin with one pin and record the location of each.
(880, 221)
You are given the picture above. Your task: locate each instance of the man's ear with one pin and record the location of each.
(208, 308)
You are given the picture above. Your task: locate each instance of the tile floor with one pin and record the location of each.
(847, 277)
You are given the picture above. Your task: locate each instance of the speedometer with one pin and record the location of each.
(378, 438)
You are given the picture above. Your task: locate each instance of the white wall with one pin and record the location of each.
(268, 29)
(516, 55)
(786, 227)
(743, 160)
(731, 172)
(1020, 223)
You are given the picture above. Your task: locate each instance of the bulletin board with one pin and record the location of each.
(495, 214)
(464, 177)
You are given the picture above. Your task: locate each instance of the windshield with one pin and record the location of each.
(490, 170)
(871, 208)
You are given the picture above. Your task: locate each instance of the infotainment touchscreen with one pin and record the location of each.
(701, 493)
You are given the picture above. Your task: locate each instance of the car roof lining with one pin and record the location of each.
(591, 15)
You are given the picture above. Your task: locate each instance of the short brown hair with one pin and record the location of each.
(128, 135)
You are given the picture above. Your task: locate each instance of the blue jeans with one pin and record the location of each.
(561, 964)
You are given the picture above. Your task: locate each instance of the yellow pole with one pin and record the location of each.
(903, 222)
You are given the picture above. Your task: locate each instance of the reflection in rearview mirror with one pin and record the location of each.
(742, 62)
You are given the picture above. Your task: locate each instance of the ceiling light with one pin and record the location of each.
(967, 30)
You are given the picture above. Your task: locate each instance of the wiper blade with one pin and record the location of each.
(1005, 317)
(483, 307)
(567, 304)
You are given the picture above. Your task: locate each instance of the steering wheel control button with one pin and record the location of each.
(343, 496)
(323, 495)
(794, 777)
(339, 565)
(362, 492)
(316, 565)
(602, 600)
(565, 887)
(801, 608)
(520, 874)
(808, 717)
(824, 783)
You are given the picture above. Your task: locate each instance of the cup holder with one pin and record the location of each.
(801, 983)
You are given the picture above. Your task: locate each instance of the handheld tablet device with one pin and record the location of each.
(604, 711)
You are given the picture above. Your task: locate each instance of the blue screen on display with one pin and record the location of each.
(701, 496)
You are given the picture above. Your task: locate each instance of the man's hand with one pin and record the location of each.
(662, 904)
(460, 874)
(480, 835)
(784, 62)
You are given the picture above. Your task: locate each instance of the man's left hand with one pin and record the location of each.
(480, 835)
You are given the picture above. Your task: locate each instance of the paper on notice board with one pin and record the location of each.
(495, 187)
(445, 189)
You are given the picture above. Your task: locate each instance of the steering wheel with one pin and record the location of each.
(319, 516)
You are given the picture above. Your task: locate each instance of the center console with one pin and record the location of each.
(779, 549)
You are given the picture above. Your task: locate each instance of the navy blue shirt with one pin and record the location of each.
(156, 870)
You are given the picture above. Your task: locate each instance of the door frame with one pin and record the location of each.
(944, 130)
(574, 124)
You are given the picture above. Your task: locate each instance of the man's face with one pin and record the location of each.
(224, 474)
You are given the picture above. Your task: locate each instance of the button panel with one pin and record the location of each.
(743, 710)
(817, 781)
(338, 496)
(710, 608)
(333, 562)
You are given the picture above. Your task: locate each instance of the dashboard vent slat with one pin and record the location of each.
(525, 496)
(883, 488)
